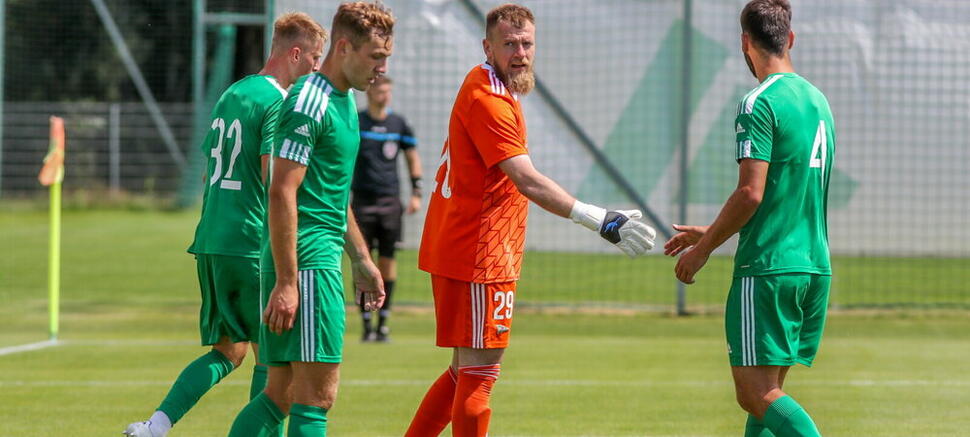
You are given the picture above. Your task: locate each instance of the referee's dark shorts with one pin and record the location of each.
(379, 219)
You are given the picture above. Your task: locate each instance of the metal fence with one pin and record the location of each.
(648, 89)
(114, 147)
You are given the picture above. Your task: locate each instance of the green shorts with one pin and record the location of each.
(318, 331)
(776, 320)
(230, 298)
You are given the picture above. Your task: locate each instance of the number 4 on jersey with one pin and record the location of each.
(445, 162)
(235, 131)
(819, 149)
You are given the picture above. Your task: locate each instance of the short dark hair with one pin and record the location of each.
(516, 15)
(767, 23)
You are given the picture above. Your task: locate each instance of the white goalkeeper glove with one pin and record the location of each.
(618, 227)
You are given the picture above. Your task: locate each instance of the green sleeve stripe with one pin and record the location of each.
(744, 149)
(314, 98)
(301, 98)
(324, 101)
(295, 151)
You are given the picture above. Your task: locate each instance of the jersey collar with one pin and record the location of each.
(498, 87)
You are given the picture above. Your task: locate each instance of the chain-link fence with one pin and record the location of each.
(638, 110)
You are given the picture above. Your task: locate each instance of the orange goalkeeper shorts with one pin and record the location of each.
(471, 315)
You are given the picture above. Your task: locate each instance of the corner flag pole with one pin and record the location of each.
(51, 175)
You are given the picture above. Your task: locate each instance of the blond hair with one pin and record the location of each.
(516, 15)
(296, 28)
(359, 21)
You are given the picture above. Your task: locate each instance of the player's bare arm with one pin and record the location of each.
(368, 284)
(283, 302)
(618, 227)
(536, 186)
(738, 209)
(264, 167)
(414, 167)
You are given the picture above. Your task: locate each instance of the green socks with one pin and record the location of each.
(259, 418)
(756, 428)
(260, 374)
(259, 381)
(306, 421)
(194, 381)
(785, 418)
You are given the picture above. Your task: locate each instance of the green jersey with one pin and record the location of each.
(787, 122)
(318, 128)
(233, 205)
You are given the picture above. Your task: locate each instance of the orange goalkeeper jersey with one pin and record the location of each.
(475, 226)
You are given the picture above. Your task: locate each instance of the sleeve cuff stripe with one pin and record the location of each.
(295, 152)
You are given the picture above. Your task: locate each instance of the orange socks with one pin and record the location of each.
(470, 412)
(461, 399)
(435, 411)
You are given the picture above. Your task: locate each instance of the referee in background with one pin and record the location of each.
(376, 195)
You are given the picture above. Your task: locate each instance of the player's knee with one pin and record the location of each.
(279, 393)
(327, 402)
(234, 352)
(748, 401)
(279, 397)
(742, 401)
(323, 399)
(769, 397)
(756, 402)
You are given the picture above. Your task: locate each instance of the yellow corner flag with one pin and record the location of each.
(53, 169)
(51, 175)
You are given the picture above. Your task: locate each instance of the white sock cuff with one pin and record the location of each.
(160, 421)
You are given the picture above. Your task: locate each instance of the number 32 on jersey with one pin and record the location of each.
(234, 132)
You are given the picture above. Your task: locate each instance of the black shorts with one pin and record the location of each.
(380, 222)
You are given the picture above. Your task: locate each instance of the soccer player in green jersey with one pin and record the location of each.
(777, 304)
(227, 239)
(310, 226)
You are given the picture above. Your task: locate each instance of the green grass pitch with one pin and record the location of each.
(129, 325)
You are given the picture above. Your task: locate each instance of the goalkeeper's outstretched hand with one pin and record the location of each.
(621, 228)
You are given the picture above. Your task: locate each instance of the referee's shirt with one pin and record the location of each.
(375, 174)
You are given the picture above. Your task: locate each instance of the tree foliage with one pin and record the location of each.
(59, 50)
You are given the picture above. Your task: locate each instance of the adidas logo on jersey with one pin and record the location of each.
(739, 129)
(303, 130)
(501, 329)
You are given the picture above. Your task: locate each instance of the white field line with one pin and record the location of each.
(530, 383)
(29, 347)
(421, 382)
(146, 342)
(50, 343)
